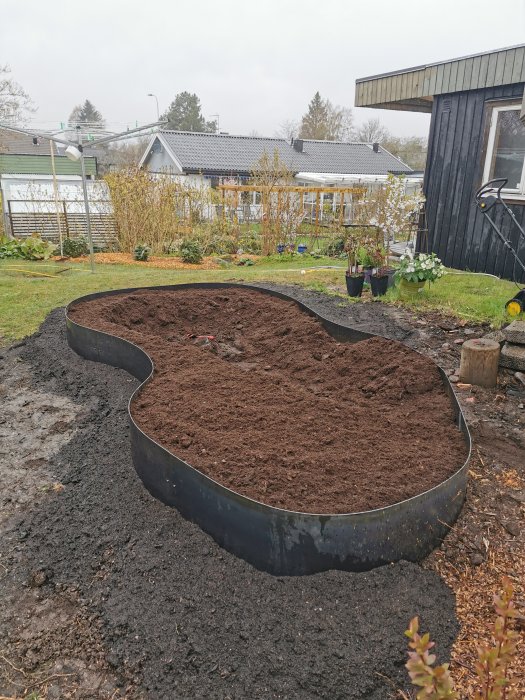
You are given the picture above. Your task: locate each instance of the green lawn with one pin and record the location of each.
(25, 300)
(471, 296)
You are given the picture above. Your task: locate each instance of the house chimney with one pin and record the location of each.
(375, 147)
(298, 145)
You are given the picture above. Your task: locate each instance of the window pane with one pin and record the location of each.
(509, 148)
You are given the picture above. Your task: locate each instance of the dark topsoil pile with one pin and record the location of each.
(274, 408)
(179, 617)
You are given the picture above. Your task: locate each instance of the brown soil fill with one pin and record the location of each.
(274, 408)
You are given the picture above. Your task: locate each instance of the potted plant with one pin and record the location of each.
(367, 262)
(414, 271)
(379, 278)
(354, 278)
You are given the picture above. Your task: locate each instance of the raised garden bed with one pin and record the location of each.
(286, 421)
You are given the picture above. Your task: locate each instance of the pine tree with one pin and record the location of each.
(326, 122)
(314, 124)
(86, 114)
(184, 114)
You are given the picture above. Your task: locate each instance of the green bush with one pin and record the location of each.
(334, 248)
(251, 243)
(141, 252)
(220, 245)
(75, 247)
(9, 247)
(33, 248)
(191, 252)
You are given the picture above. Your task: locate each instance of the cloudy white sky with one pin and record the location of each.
(254, 63)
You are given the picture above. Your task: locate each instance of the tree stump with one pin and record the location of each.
(479, 362)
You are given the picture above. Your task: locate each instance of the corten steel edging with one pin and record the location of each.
(275, 540)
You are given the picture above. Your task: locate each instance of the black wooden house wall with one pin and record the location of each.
(457, 231)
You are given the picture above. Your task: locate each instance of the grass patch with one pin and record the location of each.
(474, 297)
(25, 301)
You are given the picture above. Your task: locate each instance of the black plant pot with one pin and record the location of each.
(354, 285)
(379, 285)
(391, 279)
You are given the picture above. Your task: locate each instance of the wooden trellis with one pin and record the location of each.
(268, 192)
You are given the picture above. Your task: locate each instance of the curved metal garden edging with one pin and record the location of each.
(278, 541)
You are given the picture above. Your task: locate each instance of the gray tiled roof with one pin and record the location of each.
(13, 143)
(341, 158)
(225, 153)
(198, 152)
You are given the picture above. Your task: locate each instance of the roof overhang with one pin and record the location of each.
(414, 89)
(339, 179)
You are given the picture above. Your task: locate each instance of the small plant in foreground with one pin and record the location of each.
(141, 252)
(191, 252)
(422, 268)
(435, 682)
(492, 666)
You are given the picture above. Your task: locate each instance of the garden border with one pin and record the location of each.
(275, 540)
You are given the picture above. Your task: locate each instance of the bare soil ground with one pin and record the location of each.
(252, 391)
(107, 593)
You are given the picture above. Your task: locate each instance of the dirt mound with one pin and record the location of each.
(254, 393)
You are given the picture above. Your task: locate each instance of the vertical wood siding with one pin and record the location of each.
(457, 231)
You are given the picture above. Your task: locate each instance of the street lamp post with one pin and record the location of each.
(150, 94)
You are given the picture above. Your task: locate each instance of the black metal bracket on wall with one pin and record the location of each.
(275, 540)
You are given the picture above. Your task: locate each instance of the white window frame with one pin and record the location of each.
(516, 193)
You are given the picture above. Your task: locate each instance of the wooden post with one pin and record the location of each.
(479, 362)
(55, 194)
(65, 217)
(10, 213)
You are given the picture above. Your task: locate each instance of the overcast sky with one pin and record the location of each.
(254, 63)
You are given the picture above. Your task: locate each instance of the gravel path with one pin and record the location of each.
(172, 615)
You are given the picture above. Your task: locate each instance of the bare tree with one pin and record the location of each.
(372, 131)
(339, 122)
(412, 150)
(288, 129)
(121, 154)
(15, 103)
(347, 125)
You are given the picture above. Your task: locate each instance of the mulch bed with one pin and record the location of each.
(252, 391)
(160, 261)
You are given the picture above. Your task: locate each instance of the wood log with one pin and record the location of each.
(479, 362)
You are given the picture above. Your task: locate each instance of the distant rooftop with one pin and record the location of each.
(413, 89)
(13, 143)
(224, 153)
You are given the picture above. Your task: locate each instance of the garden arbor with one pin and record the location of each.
(281, 209)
